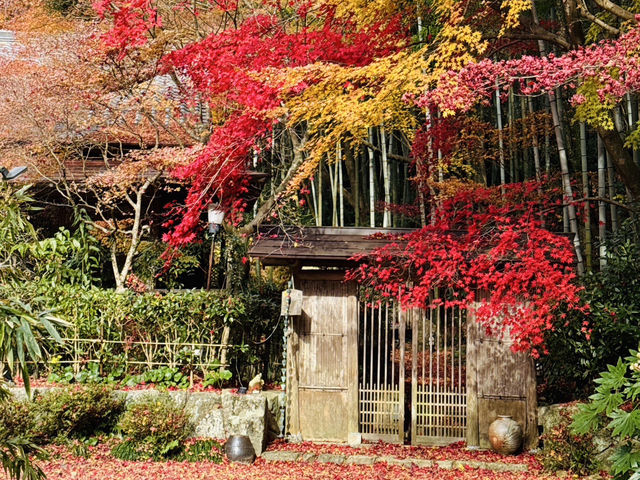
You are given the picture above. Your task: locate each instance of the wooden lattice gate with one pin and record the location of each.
(382, 377)
(438, 381)
(412, 367)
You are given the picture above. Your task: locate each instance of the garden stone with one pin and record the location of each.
(281, 456)
(402, 462)
(550, 416)
(504, 467)
(329, 458)
(360, 460)
(422, 463)
(246, 415)
(308, 457)
(207, 414)
(274, 413)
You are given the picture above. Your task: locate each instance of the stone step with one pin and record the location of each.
(289, 456)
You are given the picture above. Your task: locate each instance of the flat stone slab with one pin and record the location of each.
(329, 458)
(281, 456)
(402, 462)
(360, 460)
(422, 463)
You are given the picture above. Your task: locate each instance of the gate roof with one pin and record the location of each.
(319, 246)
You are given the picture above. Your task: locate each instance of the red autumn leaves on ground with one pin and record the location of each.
(455, 451)
(100, 465)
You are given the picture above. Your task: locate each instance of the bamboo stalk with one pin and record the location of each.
(340, 185)
(372, 197)
(602, 212)
(585, 192)
(566, 182)
(320, 192)
(356, 188)
(612, 193)
(500, 139)
(386, 219)
(534, 140)
(333, 181)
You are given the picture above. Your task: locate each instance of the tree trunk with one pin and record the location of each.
(622, 161)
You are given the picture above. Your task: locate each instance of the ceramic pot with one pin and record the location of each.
(505, 435)
(239, 449)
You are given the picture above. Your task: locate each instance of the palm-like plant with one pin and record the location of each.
(15, 454)
(23, 336)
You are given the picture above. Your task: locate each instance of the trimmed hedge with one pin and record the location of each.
(191, 316)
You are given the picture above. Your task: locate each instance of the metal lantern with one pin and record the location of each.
(13, 173)
(215, 217)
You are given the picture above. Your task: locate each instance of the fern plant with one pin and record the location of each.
(615, 406)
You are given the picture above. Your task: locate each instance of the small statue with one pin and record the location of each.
(256, 383)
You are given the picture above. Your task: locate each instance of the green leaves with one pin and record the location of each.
(625, 424)
(22, 331)
(625, 459)
(615, 402)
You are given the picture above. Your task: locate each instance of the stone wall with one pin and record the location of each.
(550, 416)
(218, 415)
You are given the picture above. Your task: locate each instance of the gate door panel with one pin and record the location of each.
(382, 372)
(438, 366)
(323, 377)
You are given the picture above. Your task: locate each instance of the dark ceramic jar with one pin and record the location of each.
(505, 435)
(239, 449)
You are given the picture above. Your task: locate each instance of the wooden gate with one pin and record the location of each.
(499, 382)
(382, 372)
(323, 360)
(416, 351)
(438, 379)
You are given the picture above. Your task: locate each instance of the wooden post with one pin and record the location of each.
(414, 377)
(353, 320)
(401, 376)
(531, 435)
(292, 382)
(473, 432)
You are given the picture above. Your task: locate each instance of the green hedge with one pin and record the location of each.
(194, 316)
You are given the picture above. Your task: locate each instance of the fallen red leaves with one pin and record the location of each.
(456, 451)
(100, 465)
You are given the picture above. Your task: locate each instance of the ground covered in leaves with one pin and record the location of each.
(456, 451)
(98, 464)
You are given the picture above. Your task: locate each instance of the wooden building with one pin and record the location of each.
(374, 372)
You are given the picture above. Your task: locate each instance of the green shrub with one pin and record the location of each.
(616, 407)
(188, 317)
(154, 427)
(575, 359)
(564, 450)
(16, 419)
(204, 450)
(78, 411)
(217, 378)
(199, 451)
(163, 377)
